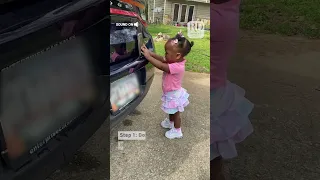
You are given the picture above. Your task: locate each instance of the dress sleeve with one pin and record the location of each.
(176, 68)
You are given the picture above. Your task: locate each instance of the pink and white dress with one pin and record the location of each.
(229, 109)
(174, 98)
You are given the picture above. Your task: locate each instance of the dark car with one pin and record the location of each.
(130, 73)
(55, 87)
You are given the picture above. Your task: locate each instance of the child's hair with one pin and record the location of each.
(184, 44)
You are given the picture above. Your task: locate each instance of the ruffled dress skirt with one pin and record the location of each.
(174, 101)
(229, 121)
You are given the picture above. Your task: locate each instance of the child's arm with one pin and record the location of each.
(158, 57)
(158, 64)
(154, 55)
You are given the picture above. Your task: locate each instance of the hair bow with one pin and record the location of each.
(180, 33)
(175, 41)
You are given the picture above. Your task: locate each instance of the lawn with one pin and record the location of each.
(286, 17)
(198, 60)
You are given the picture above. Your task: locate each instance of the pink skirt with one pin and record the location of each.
(175, 101)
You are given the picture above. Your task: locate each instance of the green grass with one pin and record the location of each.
(286, 17)
(198, 60)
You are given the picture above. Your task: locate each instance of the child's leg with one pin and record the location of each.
(175, 132)
(216, 169)
(176, 119)
(170, 118)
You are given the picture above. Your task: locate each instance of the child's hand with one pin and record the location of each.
(143, 46)
(145, 51)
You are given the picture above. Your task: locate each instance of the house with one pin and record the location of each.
(178, 11)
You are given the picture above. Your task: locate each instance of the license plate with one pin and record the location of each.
(123, 91)
(42, 93)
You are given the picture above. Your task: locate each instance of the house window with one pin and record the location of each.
(190, 12)
(183, 13)
(176, 9)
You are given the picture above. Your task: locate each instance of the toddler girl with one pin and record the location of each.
(229, 108)
(174, 98)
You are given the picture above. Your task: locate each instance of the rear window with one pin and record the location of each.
(123, 41)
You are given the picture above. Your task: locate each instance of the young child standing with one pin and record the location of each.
(174, 98)
(229, 108)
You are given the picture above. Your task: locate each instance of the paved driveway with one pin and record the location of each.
(282, 77)
(157, 157)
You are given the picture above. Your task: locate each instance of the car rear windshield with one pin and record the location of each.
(17, 13)
(123, 42)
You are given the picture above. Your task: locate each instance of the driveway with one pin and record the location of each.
(157, 157)
(281, 76)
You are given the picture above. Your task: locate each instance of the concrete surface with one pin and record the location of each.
(157, 157)
(281, 76)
